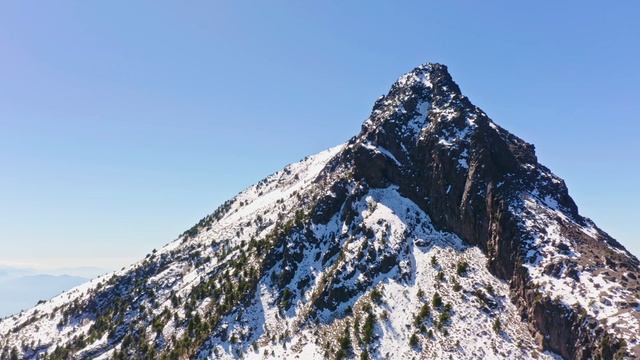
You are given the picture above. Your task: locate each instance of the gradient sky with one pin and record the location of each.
(122, 123)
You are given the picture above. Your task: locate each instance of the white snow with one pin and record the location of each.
(397, 223)
(598, 296)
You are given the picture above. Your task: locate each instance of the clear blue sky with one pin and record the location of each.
(122, 123)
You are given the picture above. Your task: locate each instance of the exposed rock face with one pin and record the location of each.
(470, 175)
(432, 233)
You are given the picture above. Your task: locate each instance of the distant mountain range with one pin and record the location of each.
(23, 292)
(21, 287)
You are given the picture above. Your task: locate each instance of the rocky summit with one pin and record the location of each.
(432, 234)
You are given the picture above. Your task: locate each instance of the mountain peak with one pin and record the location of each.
(430, 225)
(421, 103)
(424, 117)
(430, 75)
(424, 111)
(414, 93)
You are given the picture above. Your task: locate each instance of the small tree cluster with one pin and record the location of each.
(497, 326)
(462, 267)
(456, 286)
(376, 295)
(436, 301)
(368, 327)
(423, 314)
(344, 344)
(444, 316)
(413, 340)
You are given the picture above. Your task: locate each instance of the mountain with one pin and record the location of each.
(433, 233)
(22, 292)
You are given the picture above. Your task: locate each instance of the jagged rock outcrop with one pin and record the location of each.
(433, 233)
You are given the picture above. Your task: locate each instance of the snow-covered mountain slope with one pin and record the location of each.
(434, 233)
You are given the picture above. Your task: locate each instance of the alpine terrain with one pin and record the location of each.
(432, 234)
